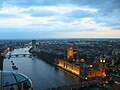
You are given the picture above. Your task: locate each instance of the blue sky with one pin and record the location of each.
(38, 19)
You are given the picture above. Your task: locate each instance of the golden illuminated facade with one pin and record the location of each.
(91, 74)
(70, 53)
(68, 66)
(100, 71)
(76, 70)
(82, 70)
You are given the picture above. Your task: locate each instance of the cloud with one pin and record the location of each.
(112, 19)
(26, 3)
(78, 14)
(8, 16)
(62, 16)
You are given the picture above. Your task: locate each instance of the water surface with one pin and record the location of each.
(43, 74)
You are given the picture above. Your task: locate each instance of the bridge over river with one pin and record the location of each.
(18, 55)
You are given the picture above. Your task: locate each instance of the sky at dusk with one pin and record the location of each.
(40, 19)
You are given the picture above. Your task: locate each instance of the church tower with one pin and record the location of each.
(70, 53)
(102, 64)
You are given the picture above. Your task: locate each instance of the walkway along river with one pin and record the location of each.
(43, 74)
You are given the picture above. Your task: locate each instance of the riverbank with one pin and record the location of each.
(2, 55)
(48, 57)
(5, 51)
(1, 62)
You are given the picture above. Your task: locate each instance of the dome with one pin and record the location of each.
(14, 81)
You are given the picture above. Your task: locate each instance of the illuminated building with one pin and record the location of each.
(70, 53)
(95, 73)
(68, 66)
(101, 70)
(82, 70)
(102, 65)
(5, 51)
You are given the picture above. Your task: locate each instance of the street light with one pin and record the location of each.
(91, 66)
(82, 60)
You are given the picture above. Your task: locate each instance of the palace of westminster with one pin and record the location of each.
(79, 68)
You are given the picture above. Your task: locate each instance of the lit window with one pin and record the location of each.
(104, 60)
(90, 65)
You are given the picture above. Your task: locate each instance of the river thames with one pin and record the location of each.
(43, 74)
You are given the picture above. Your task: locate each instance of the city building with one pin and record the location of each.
(33, 43)
(70, 53)
(82, 69)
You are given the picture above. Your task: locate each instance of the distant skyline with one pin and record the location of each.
(44, 19)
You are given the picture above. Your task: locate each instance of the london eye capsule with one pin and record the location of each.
(14, 81)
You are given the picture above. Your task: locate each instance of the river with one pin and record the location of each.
(43, 74)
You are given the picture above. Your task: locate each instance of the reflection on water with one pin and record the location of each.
(67, 73)
(43, 74)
